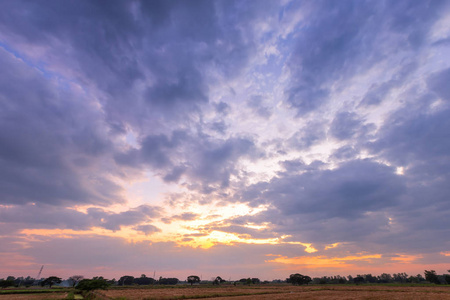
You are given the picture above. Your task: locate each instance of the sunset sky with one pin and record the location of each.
(224, 138)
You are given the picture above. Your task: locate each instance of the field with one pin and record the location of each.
(276, 292)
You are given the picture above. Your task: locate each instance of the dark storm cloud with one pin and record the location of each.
(44, 216)
(49, 216)
(94, 35)
(349, 191)
(339, 39)
(345, 152)
(147, 58)
(416, 137)
(188, 216)
(198, 157)
(148, 64)
(438, 83)
(298, 166)
(245, 232)
(215, 160)
(156, 151)
(94, 93)
(258, 108)
(418, 140)
(365, 201)
(114, 221)
(50, 141)
(311, 134)
(345, 125)
(219, 127)
(222, 108)
(378, 91)
(147, 229)
(322, 206)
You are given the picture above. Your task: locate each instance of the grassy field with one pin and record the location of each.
(276, 292)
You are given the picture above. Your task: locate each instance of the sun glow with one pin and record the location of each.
(404, 258)
(322, 260)
(331, 246)
(400, 171)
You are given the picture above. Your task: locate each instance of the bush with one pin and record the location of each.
(6, 283)
(92, 284)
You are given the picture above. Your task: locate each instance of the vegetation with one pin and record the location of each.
(218, 280)
(126, 280)
(51, 281)
(427, 286)
(82, 284)
(193, 279)
(168, 280)
(92, 284)
(75, 279)
(143, 280)
(298, 279)
(6, 283)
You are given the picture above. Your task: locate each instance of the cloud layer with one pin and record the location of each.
(301, 132)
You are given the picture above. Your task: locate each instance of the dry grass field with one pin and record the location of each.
(283, 292)
(265, 292)
(33, 296)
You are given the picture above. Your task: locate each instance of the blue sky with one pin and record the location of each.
(255, 138)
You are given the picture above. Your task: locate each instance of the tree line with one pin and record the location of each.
(100, 282)
(429, 276)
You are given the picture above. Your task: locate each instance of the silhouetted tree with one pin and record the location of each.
(256, 281)
(168, 280)
(400, 277)
(92, 284)
(75, 279)
(369, 278)
(6, 283)
(193, 279)
(385, 278)
(143, 280)
(358, 279)
(51, 281)
(298, 279)
(28, 281)
(432, 277)
(218, 280)
(447, 277)
(126, 280)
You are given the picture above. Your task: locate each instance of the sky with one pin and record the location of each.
(224, 138)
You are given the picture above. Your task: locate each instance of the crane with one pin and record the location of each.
(38, 275)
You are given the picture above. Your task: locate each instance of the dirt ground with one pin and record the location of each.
(285, 292)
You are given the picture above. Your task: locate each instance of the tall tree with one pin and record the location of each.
(75, 279)
(432, 277)
(92, 284)
(298, 279)
(126, 280)
(193, 279)
(51, 281)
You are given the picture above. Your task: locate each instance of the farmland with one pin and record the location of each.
(280, 291)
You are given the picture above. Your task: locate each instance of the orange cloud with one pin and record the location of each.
(331, 246)
(322, 260)
(406, 259)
